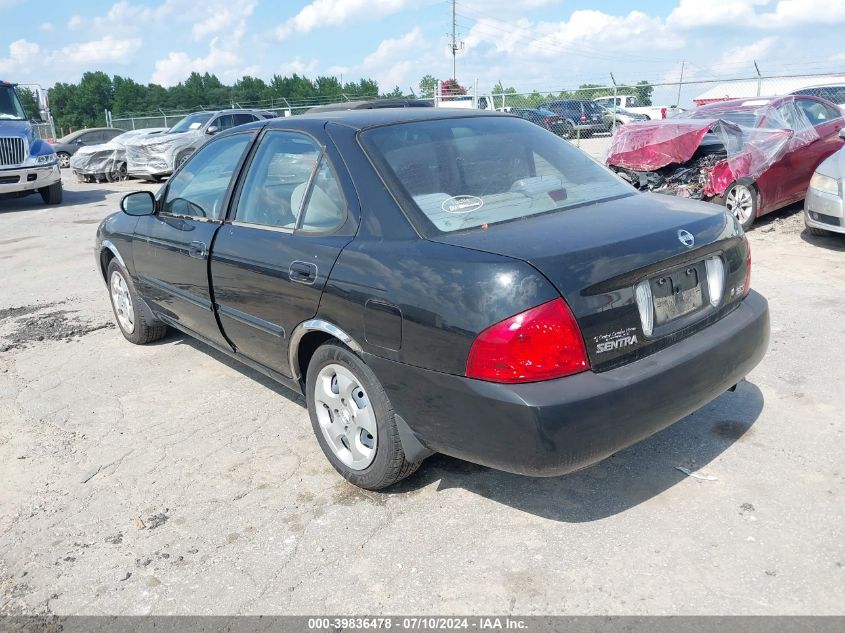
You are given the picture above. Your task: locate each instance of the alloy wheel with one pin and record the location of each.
(64, 160)
(740, 202)
(346, 416)
(122, 301)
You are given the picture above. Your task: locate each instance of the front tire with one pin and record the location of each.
(353, 419)
(64, 160)
(52, 194)
(125, 303)
(741, 202)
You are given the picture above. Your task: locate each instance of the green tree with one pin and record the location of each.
(428, 86)
(643, 91)
(592, 91)
(29, 101)
(396, 93)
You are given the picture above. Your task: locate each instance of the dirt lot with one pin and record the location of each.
(168, 479)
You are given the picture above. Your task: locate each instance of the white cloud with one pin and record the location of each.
(47, 27)
(228, 17)
(29, 58)
(298, 66)
(746, 14)
(106, 50)
(178, 65)
(74, 22)
(743, 56)
(392, 62)
(336, 12)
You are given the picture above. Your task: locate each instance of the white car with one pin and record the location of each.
(824, 205)
(107, 161)
(155, 158)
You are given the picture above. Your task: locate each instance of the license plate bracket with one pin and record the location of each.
(677, 293)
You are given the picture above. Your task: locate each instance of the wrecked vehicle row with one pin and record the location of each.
(755, 156)
(107, 161)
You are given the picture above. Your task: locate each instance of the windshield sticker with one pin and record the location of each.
(462, 204)
(195, 126)
(558, 195)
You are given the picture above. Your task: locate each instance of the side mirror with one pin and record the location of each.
(212, 129)
(138, 203)
(42, 114)
(842, 133)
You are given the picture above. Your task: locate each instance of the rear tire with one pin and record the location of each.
(52, 194)
(741, 201)
(568, 130)
(349, 399)
(125, 303)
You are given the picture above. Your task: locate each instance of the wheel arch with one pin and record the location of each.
(307, 337)
(108, 252)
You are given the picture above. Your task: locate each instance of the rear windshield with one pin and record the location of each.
(459, 174)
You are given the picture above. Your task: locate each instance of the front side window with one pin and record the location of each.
(278, 176)
(199, 188)
(224, 122)
(243, 118)
(459, 174)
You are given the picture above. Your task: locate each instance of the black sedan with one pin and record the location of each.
(545, 119)
(438, 280)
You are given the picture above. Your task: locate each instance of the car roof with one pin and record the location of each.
(361, 119)
(372, 104)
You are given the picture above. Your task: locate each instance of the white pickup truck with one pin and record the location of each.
(632, 104)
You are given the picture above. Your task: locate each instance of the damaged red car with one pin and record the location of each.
(752, 155)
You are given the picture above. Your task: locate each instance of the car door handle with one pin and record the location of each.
(198, 250)
(303, 272)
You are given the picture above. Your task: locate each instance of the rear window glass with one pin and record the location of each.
(459, 174)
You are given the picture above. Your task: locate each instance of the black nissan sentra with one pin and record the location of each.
(466, 283)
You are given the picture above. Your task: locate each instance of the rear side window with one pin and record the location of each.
(817, 112)
(458, 174)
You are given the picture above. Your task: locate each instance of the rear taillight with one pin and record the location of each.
(662, 113)
(539, 344)
(548, 120)
(747, 287)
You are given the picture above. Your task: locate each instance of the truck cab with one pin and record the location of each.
(632, 104)
(27, 164)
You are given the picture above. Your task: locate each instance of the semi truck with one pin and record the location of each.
(27, 164)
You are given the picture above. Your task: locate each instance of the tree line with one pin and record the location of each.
(83, 104)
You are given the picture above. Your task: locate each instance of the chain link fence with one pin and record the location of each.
(652, 99)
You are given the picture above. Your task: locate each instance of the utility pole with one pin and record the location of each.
(456, 46)
(759, 78)
(680, 84)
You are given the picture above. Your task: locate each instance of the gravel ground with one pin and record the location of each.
(167, 479)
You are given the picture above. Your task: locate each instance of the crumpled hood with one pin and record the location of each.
(749, 152)
(179, 139)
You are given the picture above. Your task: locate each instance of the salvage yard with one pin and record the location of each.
(169, 479)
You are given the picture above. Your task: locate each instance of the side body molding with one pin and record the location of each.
(315, 325)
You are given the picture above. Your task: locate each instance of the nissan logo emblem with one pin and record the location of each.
(686, 238)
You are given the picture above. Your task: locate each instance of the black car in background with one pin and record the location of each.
(67, 146)
(583, 117)
(441, 280)
(544, 118)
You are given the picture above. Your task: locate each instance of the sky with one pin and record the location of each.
(547, 45)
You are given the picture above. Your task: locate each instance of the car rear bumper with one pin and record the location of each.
(824, 211)
(28, 178)
(559, 426)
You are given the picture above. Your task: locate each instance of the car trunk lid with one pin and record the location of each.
(596, 254)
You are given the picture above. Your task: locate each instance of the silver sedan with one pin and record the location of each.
(824, 205)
